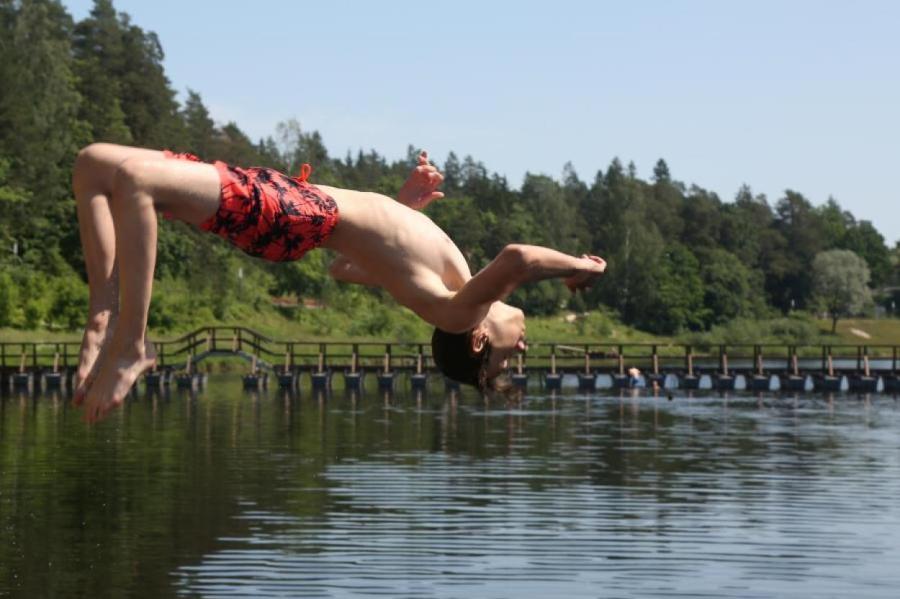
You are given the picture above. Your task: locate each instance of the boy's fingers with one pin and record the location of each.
(599, 261)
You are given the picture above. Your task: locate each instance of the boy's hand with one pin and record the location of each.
(594, 266)
(420, 188)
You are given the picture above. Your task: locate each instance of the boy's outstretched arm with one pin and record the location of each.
(513, 267)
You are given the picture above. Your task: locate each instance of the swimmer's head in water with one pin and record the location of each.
(480, 356)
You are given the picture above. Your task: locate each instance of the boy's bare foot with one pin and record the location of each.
(118, 372)
(98, 331)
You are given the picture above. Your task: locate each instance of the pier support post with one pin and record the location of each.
(552, 379)
(655, 380)
(689, 380)
(288, 378)
(828, 381)
(353, 380)
(759, 381)
(864, 382)
(620, 380)
(190, 378)
(320, 380)
(24, 381)
(725, 380)
(587, 380)
(519, 378)
(153, 380)
(419, 381)
(793, 381)
(53, 380)
(386, 376)
(255, 380)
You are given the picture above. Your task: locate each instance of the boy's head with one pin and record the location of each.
(479, 356)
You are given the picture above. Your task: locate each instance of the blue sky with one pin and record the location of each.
(802, 95)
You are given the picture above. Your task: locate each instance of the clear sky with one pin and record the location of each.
(796, 94)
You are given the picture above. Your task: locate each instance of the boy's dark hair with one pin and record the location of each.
(452, 352)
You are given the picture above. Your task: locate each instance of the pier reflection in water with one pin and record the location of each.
(229, 493)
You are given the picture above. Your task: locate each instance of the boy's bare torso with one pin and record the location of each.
(399, 249)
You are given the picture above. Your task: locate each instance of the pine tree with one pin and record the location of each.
(661, 172)
(128, 98)
(200, 130)
(39, 128)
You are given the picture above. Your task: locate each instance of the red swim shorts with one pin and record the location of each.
(268, 214)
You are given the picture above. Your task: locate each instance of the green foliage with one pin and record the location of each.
(543, 298)
(10, 311)
(31, 300)
(841, 283)
(69, 305)
(731, 290)
(675, 302)
(680, 259)
(798, 329)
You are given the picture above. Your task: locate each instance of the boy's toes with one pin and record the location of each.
(93, 412)
(81, 391)
(106, 409)
(88, 415)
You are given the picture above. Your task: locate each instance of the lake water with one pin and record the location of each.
(231, 494)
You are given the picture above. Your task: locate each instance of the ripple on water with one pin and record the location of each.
(781, 516)
(268, 496)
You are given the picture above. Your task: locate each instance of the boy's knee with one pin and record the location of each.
(87, 154)
(133, 179)
(87, 165)
(132, 175)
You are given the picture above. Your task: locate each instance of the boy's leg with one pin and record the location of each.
(92, 182)
(190, 192)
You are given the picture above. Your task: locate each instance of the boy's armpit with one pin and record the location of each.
(343, 269)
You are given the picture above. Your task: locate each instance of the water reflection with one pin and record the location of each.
(227, 493)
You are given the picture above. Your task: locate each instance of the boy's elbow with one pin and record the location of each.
(519, 258)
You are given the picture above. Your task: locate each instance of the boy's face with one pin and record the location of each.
(506, 326)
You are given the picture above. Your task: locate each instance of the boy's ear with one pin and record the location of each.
(478, 340)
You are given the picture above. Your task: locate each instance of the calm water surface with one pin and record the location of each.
(232, 494)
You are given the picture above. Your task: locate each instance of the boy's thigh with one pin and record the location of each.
(100, 160)
(185, 190)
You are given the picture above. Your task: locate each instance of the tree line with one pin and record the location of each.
(680, 258)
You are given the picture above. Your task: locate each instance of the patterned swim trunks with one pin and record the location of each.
(268, 214)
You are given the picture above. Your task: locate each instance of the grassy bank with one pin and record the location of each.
(391, 323)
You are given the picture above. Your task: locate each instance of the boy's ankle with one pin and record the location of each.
(135, 347)
(100, 321)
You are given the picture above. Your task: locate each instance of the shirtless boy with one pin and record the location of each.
(380, 242)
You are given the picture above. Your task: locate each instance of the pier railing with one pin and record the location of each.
(264, 352)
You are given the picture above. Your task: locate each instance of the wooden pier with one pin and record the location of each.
(292, 364)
